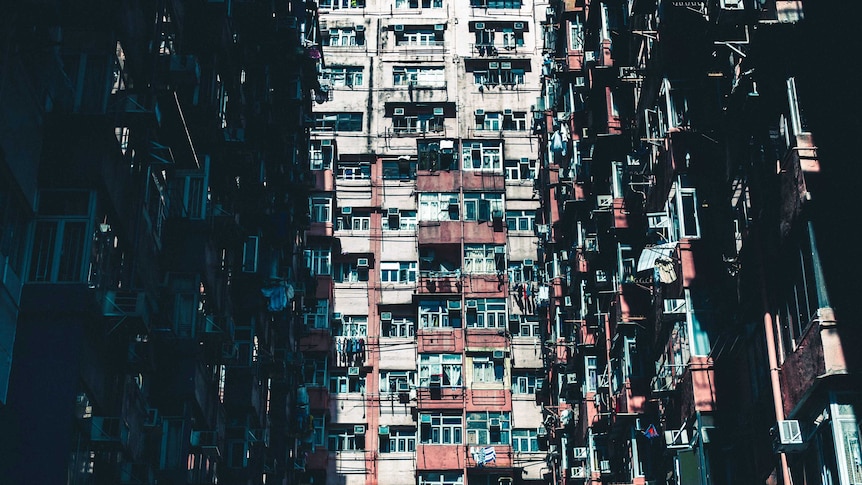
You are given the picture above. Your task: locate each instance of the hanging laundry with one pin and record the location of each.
(277, 297)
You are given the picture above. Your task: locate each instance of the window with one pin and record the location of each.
(13, 228)
(441, 429)
(357, 221)
(485, 37)
(61, 236)
(318, 261)
(436, 314)
(484, 258)
(346, 37)
(336, 4)
(343, 384)
(417, 124)
(523, 169)
(438, 207)
(437, 155)
(399, 440)
(353, 171)
(576, 35)
(495, 3)
(418, 3)
(398, 272)
(406, 221)
(344, 76)
(488, 313)
(521, 220)
(395, 381)
(348, 272)
(483, 207)
(482, 156)
(525, 441)
(344, 439)
(321, 209)
(592, 373)
(528, 326)
(488, 121)
(487, 371)
(524, 383)
(402, 169)
(352, 326)
(521, 273)
(683, 208)
(320, 317)
(442, 370)
(516, 121)
(494, 73)
(448, 478)
(419, 76)
(488, 428)
(419, 37)
(399, 327)
(314, 371)
(338, 121)
(512, 38)
(321, 154)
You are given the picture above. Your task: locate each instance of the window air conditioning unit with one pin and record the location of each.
(514, 318)
(425, 418)
(580, 82)
(567, 301)
(732, 4)
(383, 430)
(480, 112)
(337, 316)
(507, 112)
(359, 429)
(347, 210)
(392, 211)
(674, 306)
(564, 255)
(326, 143)
(438, 111)
(578, 472)
(505, 65)
(362, 262)
(436, 380)
(398, 28)
(494, 423)
(493, 65)
(591, 56)
(541, 432)
(571, 378)
(398, 111)
(604, 201)
(453, 305)
(403, 386)
(591, 244)
(359, 28)
(386, 316)
(789, 433)
(519, 26)
(439, 27)
(453, 201)
(472, 304)
(353, 371)
(528, 263)
(580, 453)
(480, 25)
(499, 355)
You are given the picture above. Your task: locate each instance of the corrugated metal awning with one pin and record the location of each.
(650, 254)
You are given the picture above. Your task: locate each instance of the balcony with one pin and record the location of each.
(126, 311)
(440, 282)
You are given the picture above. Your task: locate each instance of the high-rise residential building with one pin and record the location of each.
(430, 242)
(424, 356)
(153, 188)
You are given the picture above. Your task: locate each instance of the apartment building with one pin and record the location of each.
(697, 317)
(153, 181)
(424, 357)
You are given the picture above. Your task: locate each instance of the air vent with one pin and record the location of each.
(353, 371)
(398, 111)
(362, 262)
(386, 316)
